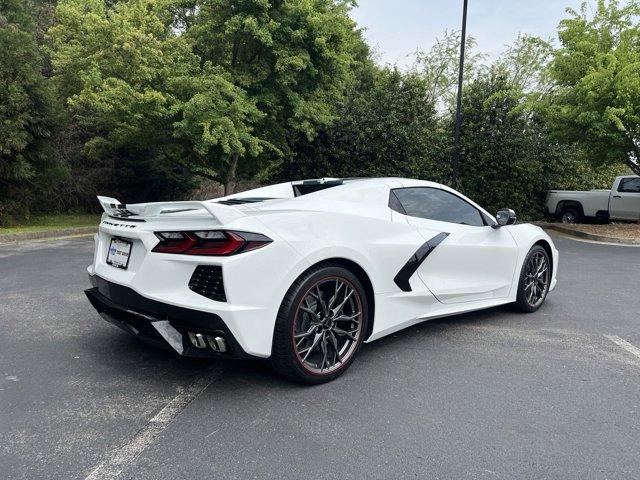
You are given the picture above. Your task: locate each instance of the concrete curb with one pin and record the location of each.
(587, 236)
(46, 234)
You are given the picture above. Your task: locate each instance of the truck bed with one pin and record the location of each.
(591, 201)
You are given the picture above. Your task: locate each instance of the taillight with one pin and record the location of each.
(209, 242)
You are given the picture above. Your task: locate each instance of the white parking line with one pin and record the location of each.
(632, 349)
(120, 458)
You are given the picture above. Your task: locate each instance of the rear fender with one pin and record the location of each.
(569, 204)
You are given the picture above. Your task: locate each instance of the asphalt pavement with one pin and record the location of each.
(488, 395)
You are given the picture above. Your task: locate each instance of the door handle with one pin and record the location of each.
(617, 196)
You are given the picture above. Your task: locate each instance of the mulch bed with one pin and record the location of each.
(621, 232)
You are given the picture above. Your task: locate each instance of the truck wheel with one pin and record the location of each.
(570, 215)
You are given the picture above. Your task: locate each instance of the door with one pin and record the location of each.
(625, 199)
(468, 260)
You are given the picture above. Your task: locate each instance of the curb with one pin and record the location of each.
(588, 236)
(46, 234)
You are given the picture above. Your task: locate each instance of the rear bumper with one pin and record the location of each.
(255, 282)
(159, 323)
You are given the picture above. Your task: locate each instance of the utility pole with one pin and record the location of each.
(455, 164)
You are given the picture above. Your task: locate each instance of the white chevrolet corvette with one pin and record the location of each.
(303, 272)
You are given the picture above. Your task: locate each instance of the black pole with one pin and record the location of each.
(456, 141)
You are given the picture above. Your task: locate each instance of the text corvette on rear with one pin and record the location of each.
(302, 273)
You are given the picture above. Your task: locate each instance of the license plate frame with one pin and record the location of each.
(119, 247)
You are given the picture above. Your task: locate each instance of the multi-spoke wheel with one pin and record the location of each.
(321, 325)
(535, 279)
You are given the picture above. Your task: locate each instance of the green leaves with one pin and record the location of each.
(385, 128)
(215, 115)
(597, 67)
(239, 82)
(113, 64)
(293, 59)
(506, 153)
(28, 108)
(156, 93)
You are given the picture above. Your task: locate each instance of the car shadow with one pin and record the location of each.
(122, 352)
(429, 328)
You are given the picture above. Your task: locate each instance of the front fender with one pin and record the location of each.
(526, 236)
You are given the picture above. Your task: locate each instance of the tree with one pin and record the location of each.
(387, 127)
(597, 72)
(439, 67)
(28, 112)
(294, 59)
(217, 122)
(525, 63)
(508, 156)
(144, 101)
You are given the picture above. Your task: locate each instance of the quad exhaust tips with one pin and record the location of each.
(214, 341)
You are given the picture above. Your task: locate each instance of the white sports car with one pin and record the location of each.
(303, 272)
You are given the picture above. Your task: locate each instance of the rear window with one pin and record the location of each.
(311, 186)
(629, 185)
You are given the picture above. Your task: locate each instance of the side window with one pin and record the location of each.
(629, 185)
(435, 204)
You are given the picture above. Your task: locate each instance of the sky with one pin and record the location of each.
(396, 28)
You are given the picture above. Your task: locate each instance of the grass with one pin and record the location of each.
(53, 222)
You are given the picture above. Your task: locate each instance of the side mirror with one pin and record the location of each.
(505, 216)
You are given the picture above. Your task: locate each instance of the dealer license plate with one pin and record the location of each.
(119, 253)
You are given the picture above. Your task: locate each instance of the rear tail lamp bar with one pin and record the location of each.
(209, 242)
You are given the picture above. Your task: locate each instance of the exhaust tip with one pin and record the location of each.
(215, 342)
(197, 340)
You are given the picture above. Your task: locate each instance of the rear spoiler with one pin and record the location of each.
(222, 213)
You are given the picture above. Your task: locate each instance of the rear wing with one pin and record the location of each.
(222, 213)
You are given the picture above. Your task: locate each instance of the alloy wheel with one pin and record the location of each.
(536, 280)
(328, 325)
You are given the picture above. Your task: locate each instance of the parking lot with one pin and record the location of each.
(494, 394)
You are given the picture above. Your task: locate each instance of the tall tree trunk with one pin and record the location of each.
(635, 166)
(230, 185)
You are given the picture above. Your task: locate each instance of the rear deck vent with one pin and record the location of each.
(207, 281)
(243, 201)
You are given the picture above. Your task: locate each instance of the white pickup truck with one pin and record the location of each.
(622, 202)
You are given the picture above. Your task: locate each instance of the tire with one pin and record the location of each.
(309, 316)
(570, 215)
(525, 300)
